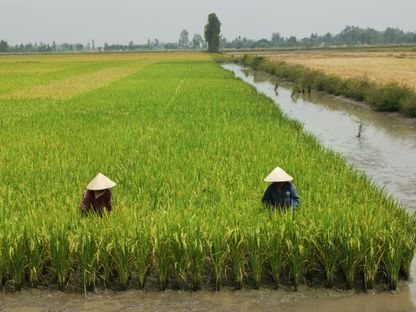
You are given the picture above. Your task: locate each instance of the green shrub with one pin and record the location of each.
(356, 89)
(408, 105)
(388, 97)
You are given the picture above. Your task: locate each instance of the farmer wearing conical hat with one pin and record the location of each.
(97, 196)
(280, 193)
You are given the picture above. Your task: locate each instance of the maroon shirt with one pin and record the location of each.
(90, 203)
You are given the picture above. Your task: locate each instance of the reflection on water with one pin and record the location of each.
(386, 149)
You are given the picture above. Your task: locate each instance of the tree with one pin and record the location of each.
(184, 39)
(3, 46)
(277, 39)
(170, 46)
(262, 43)
(292, 41)
(212, 33)
(197, 42)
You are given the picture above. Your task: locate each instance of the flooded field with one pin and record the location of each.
(385, 150)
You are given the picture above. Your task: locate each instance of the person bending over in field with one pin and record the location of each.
(280, 194)
(97, 196)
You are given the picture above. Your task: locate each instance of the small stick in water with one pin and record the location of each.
(360, 130)
(276, 86)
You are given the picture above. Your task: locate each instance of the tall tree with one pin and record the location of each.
(184, 39)
(212, 33)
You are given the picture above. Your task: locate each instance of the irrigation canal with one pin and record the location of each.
(385, 150)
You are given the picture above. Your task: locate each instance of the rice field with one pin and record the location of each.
(381, 67)
(188, 146)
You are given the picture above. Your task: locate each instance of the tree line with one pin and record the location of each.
(350, 35)
(152, 44)
(212, 40)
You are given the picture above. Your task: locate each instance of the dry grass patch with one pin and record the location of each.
(72, 86)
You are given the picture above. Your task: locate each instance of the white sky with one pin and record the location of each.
(119, 21)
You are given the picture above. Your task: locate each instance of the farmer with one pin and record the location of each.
(280, 193)
(97, 196)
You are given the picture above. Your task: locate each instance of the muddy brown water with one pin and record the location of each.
(306, 299)
(386, 151)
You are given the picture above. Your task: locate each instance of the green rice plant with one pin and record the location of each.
(161, 251)
(61, 254)
(106, 272)
(3, 260)
(123, 256)
(393, 254)
(36, 257)
(349, 249)
(275, 251)
(238, 250)
(256, 252)
(143, 251)
(16, 250)
(197, 252)
(325, 243)
(296, 244)
(408, 253)
(219, 252)
(88, 257)
(409, 244)
(373, 252)
(179, 247)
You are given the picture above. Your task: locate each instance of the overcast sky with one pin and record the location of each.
(119, 21)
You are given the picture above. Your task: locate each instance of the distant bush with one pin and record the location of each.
(390, 97)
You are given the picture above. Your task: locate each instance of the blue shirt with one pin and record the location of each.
(281, 197)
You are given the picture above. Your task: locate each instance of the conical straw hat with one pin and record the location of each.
(278, 175)
(100, 182)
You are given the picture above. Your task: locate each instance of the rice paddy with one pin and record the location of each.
(188, 146)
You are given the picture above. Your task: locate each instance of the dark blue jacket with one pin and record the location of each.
(283, 197)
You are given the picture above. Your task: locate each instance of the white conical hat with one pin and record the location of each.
(278, 175)
(100, 182)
